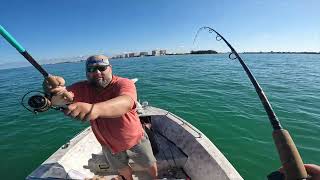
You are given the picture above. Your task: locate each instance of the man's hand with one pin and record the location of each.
(81, 111)
(312, 169)
(53, 84)
(59, 99)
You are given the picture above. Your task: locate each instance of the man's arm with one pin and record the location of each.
(124, 101)
(115, 107)
(112, 108)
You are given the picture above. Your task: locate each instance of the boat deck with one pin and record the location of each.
(170, 161)
(182, 150)
(84, 159)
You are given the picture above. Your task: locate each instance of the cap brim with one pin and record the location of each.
(97, 63)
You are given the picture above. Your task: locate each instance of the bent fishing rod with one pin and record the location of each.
(288, 153)
(39, 103)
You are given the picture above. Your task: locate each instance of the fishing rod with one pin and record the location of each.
(40, 102)
(290, 158)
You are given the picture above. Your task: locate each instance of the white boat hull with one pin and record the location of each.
(184, 152)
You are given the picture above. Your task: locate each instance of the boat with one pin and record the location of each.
(182, 152)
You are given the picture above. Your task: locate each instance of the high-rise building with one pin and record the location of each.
(143, 54)
(155, 53)
(162, 52)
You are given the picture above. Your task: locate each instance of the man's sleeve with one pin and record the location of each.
(76, 89)
(127, 87)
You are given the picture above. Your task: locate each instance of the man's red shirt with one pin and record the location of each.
(119, 133)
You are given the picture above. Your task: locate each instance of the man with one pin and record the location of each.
(109, 103)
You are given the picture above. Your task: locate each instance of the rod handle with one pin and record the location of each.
(53, 82)
(289, 155)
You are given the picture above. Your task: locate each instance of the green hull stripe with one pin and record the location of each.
(11, 40)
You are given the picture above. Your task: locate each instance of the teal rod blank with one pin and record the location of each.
(11, 40)
(22, 51)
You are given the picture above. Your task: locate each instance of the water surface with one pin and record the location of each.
(210, 91)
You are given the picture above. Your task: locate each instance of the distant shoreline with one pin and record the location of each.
(192, 52)
(200, 53)
(271, 52)
(244, 53)
(25, 64)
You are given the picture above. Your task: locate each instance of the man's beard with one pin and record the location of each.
(99, 83)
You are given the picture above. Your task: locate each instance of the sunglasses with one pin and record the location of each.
(91, 69)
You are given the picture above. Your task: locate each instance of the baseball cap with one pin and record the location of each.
(97, 60)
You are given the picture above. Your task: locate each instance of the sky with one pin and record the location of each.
(58, 29)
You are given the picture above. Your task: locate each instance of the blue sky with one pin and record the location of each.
(66, 28)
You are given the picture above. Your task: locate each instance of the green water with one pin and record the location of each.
(210, 91)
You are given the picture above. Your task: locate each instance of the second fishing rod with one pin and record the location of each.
(288, 152)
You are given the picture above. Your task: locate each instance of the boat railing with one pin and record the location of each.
(185, 123)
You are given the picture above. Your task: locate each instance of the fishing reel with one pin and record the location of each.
(37, 101)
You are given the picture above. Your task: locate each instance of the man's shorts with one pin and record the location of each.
(141, 154)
